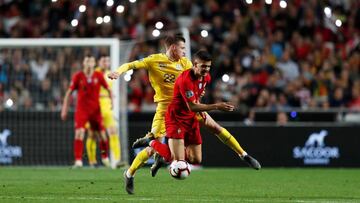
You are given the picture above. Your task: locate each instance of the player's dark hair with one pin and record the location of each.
(102, 55)
(203, 55)
(173, 39)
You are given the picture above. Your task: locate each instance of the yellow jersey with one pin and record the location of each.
(105, 99)
(162, 73)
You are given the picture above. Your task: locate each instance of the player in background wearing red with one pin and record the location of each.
(87, 83)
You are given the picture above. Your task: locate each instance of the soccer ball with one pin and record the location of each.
(180, 169)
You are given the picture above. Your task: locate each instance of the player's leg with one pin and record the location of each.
(114, 141)
(104, 148)
(79, 146)
(193, 142)
(194, 154)
(227, 138)
(157, 131)
(97, 126)
(177, 148)
(91, 147)
(80, 120)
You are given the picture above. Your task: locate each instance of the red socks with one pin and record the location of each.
(104, 148)
(78, 149)
(162, 149)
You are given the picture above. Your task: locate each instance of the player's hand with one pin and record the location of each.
(63, 114)
(113, 75)
(223, 106)
(202, 93)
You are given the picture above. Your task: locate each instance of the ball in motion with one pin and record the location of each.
(180, 169)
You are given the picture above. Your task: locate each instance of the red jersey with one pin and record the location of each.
(88, 89)
(187, 88)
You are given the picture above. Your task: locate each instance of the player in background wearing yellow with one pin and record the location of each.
(163, 69)
(108, 120)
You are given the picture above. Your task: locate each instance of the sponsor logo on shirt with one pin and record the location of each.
(189, 94)
(161, 66)
(179, 67)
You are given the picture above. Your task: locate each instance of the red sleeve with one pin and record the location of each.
(102, 81)
(74, 82)
(187, 89)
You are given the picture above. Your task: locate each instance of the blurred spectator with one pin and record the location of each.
(281, 119)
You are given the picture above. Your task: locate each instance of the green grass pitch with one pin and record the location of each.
(61, 184)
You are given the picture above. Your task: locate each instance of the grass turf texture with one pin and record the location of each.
(46, 184)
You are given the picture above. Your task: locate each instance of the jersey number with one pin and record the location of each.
(169, 78)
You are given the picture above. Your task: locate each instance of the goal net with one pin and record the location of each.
(35, 73)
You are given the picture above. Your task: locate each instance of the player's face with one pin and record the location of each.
(177, 50)
(89, 63)
(104, 62)
(202, 68)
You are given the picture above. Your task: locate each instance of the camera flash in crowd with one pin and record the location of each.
(107, 19)
(327, 12)
(109, 3)
(159, 25)
(120, 8)
(99, 20)
(156, 33)
(225, 78)
(74, 22)
(9, 103)
(82, 8)
(283, 4)
(204, 33)
(338, 23)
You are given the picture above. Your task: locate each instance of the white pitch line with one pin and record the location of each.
(280, 200)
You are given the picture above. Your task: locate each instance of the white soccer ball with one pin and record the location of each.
(180, 169)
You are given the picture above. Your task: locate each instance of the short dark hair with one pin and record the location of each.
(203, 55)
(102, 55)
(173, 39)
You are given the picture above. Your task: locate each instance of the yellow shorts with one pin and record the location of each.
(158, 124)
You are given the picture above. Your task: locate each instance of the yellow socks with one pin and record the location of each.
(139, 160)
(231, 142)
(91, 150)
(115, 147)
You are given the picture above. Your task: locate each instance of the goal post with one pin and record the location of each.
(119, 87)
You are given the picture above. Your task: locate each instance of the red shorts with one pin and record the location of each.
(93, 117)
(190, 135)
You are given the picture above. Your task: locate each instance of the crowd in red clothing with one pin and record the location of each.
(303, 55)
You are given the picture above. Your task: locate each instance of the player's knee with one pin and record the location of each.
(79, 134)
(194, 159)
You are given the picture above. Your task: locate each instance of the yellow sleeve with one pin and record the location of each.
(138, 64)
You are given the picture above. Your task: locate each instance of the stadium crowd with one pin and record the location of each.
(268, 54)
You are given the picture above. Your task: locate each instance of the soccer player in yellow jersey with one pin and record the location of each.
(108, 120)
(163, 69)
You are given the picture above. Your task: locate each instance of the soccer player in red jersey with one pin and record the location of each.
(87, 83)
(182, 125)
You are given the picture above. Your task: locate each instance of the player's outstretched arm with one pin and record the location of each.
(139, 64)
(65, 105)
(222, 106)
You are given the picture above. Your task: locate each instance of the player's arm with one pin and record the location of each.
(198, 107)
(138, 64)
(186, 88)
(65, 105)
